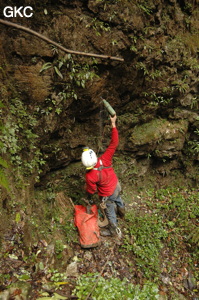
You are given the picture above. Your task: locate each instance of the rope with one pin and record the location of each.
(71, 201)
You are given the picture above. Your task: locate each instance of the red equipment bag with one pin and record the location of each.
(87, 224)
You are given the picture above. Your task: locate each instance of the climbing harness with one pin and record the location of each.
(101, 167)
(105, 222)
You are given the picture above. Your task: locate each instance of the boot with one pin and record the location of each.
(105, 231)
(115, 231)
(121, 212)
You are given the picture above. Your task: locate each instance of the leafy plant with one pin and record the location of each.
(18, 139)
(77, 74)
(194, 145)
(195, 103)
(155, 74)
(98, 26)
(146, 6)
(145, 9)
(133, 48)
(59, 247)
(181, 209)
(147, 233)
(114, 288)
(69, 231)
(158, 99)
(46, 66)
(194, 236)
(56, 276)
(165, 221)
(141, 66)
(181, 86)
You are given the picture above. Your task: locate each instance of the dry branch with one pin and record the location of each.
(41, 36)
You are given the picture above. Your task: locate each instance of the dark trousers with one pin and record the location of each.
(112, 202)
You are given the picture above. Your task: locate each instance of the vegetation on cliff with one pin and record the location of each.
(50, 107)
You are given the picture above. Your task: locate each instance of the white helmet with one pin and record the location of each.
(89, 158)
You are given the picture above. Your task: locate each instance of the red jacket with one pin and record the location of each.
(104, 182)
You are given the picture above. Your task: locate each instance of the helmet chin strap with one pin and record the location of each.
(85, 149)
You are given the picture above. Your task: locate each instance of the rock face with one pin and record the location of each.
(154, 91)
(159, 137)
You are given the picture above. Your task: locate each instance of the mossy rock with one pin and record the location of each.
(157, 130)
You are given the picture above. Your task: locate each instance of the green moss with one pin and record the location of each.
(157, 130)
(127, 119)
(191, 41)
(148, 132)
